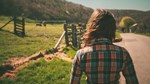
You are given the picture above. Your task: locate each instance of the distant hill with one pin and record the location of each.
(62, 10)
(45, 10)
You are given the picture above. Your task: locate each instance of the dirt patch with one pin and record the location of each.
(60, 55)
(11, 66)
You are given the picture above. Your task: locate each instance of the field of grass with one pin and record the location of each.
(56, 71)
(36, 39)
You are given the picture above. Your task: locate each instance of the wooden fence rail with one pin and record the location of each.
(6, 23)
(74, 34)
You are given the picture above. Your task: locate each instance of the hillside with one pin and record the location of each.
(63, 10)
(45, 9)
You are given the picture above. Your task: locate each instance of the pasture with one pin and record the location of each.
(37, 38)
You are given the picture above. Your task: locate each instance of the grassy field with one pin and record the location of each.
(42, 72)
(56, 71)
(36, 39)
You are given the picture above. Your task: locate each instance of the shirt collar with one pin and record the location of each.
(101, 41)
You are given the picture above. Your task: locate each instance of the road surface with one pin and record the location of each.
(139, 49)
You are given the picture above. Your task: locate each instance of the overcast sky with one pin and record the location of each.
(115, 4)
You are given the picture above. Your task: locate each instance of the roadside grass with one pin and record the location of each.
(36, 39)
(56, 71)
(118, 34)
(146, 34)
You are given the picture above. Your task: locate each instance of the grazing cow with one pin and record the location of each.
(39, 24)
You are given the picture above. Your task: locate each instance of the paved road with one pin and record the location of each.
(139, 49)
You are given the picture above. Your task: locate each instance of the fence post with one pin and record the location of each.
(81, 31)
(79, 41)
(74, 36)
(15, 25)
(66, 34)
(23, 26)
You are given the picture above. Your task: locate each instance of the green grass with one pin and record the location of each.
(4, 19)
(70, 51)
(36, 39)
(43, 72)
(118, 34)
(56, 71)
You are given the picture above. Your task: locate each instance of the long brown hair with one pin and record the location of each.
(100, 25)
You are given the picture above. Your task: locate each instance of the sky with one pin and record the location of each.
(115, 4)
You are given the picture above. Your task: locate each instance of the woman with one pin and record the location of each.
(101, 60)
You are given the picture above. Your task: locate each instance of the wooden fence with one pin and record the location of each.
(6, 23)
(81, 28)
(74, 34)
(19, 26)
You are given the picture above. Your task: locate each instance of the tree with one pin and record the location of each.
(126, 22)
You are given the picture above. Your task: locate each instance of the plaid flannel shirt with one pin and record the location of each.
(102, 63)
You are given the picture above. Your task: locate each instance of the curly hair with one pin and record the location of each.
(100, 25)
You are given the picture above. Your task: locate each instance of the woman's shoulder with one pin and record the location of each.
(120, 48)
(85, 49)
